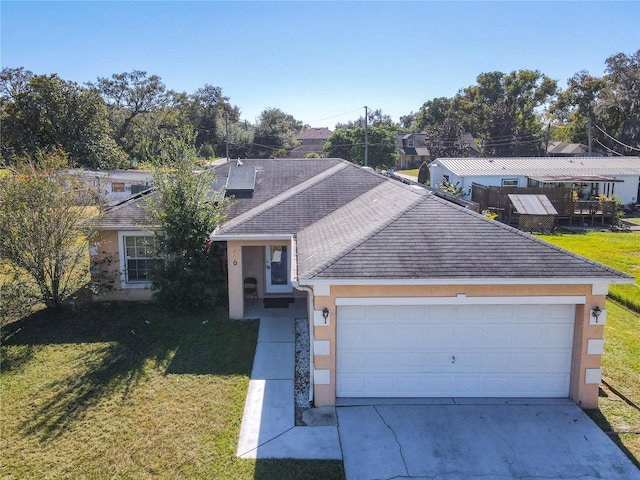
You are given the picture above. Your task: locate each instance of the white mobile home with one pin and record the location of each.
(617, 177)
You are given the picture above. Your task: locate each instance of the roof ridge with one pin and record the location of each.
(355, 242)
(278, 199)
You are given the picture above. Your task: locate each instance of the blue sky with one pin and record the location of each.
(319, 61)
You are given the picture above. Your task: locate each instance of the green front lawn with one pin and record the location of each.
(620, 250)
(413, 173)
(621, 360)
(131, 391)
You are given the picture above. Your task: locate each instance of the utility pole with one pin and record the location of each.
(226, 128)
(589, 130)
(366, 136)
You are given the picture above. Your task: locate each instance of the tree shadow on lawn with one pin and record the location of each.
(136, 339)
(601, 420)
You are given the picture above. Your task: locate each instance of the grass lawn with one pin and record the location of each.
(413, 172)
(620, 250)
(621, 359)
(131, 391)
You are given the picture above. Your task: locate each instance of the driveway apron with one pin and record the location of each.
(554, 440)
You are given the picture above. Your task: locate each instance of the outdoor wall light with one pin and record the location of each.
(325, 314)
(596, 312)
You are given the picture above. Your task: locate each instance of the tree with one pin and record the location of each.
(610, 103)
(349, 144)
(44, 112)
(12, 82)
(44, 228)
(275, 133)
(432, 113)
(140, 107)
(502, 111)
(446, 138)
(182, 216)
(619, 110)
(451, 188)
(574, 106)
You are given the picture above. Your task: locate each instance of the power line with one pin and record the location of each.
(335, 116)
(617, 141)
(608, 149)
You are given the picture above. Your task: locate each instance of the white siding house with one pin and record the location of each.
(612, 176)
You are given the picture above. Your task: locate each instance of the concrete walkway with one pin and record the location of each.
(268, 425)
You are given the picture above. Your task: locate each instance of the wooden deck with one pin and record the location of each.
(570, 210)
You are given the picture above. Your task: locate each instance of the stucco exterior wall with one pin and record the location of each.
(106, 269)
(583, 393)
(247, 258)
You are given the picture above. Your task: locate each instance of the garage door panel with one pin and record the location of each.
(557, 336)
(379, 336)
(409, 336)
(381, 311)
(469, 312)
(553, 312)
(495, 336)
(412, 361)
(527, 336)
(438, 335)
(514, 351)
(502, 312)
(470, 336)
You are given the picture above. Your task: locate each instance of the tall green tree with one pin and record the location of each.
(44, 228)
(501, 111)
(275, 133)
(140, 108)
(619, 109)
(575, 106)
(349, 144)
(182, 214)
(41, 112)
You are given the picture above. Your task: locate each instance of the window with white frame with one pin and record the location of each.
(138, 258)
(509, 182)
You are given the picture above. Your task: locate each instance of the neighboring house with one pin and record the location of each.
(564, 149)
(412, 150)
(312, 142)
(590, 176)
(118, 184)
(470, 308)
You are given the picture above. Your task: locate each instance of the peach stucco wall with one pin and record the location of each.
(585, 395)
(105, 272)
(247, 259)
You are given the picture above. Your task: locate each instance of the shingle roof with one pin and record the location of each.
(305, 203)
(443, 241)
(303, 150)
(351, 224)
(314, 133)
(128, 214)
(531, 166)
(343, 230)
(564, 148)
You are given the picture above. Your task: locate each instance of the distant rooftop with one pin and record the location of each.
(314, 133)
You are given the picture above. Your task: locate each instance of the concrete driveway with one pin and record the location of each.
(465, 439)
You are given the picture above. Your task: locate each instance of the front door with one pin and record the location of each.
(277, 269)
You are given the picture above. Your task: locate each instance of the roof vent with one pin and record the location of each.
(241, 182)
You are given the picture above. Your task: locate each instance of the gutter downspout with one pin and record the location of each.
(309, 291)
(310, 302)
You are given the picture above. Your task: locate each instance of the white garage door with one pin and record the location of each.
(454, 351)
